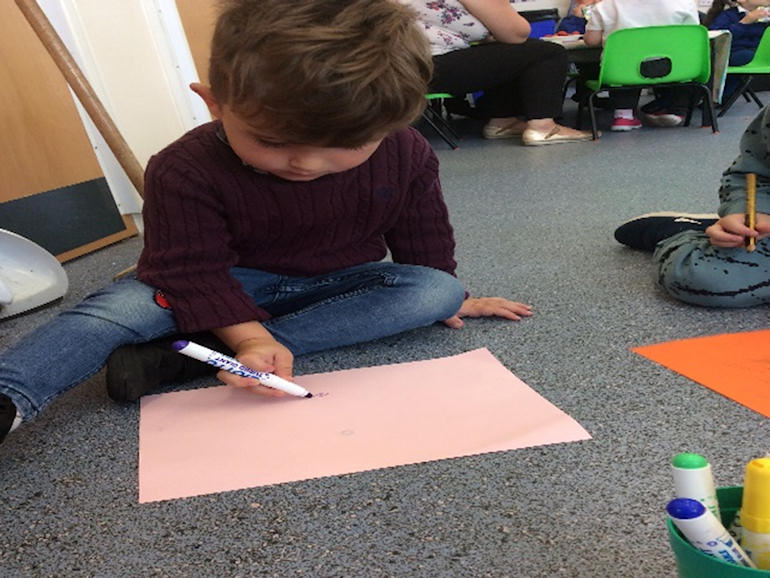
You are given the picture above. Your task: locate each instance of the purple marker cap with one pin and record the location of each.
(179, 345)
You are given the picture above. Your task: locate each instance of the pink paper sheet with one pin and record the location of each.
(220, 438)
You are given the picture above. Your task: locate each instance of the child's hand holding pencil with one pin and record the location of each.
(731, 231)
(741, 229)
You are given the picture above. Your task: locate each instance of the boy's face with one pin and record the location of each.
(267, 152)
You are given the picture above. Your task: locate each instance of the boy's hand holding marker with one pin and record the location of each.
(260, 381)
(256, 348)
(267, 356)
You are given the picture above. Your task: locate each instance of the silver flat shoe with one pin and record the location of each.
(513, 130)
(532, 137)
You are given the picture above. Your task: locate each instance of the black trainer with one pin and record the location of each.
(135, 370)
(646, 231)
(7, 415)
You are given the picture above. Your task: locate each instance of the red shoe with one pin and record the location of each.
(625, 124)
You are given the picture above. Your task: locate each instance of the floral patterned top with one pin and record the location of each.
(447, 24)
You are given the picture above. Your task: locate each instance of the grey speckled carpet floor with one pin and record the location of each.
(533, 224)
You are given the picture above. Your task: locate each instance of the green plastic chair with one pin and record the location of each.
(434, 116)
(760, 64)
(673, 55)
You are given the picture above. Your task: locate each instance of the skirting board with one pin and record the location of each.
(69, 221)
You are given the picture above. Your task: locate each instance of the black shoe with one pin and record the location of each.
(7, 415)
(135, 370)
(646, 231)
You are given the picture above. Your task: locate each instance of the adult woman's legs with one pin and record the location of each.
(522, 86)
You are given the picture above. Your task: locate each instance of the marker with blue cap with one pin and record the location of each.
(705, 532)
(693, 479)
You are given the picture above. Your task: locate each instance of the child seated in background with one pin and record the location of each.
(746, 20)
(269, 226)
(606, 16)
(702, 259)
(573, 20)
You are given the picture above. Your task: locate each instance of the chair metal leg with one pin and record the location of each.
(592, 113)
(735, 95)
(579, 119)
(441, 127)
(750, 93)
(691, 102)
(438, 114)
(708, 115)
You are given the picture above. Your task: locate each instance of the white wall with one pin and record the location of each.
(136, 59)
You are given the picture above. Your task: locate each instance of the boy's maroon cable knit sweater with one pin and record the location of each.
(205, 212)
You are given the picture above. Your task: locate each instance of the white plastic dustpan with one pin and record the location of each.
(29, 275)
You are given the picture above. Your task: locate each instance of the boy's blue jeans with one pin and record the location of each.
(349, 306)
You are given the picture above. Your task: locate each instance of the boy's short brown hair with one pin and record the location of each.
(321, 72)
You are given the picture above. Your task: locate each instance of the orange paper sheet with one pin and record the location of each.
(737, 365)
(220, 438)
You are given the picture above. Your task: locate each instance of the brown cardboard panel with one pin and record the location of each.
(52, 189)
(198, 19)
(42, 140)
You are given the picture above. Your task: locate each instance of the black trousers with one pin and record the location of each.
(523, 80)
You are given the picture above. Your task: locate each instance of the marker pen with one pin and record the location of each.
(235, 367)
(693, 479)
(705, 532)
(755, 512)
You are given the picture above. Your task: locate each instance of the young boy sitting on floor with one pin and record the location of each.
(268, 226)
(702, 259)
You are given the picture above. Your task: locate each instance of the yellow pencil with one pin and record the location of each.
(751, 208)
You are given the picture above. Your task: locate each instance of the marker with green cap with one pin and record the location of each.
(693, 479)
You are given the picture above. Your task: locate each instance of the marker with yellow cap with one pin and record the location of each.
(755, 512)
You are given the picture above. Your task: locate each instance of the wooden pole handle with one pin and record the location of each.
(83, 90)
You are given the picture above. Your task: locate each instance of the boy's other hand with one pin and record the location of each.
(263, 354)
(489, 307)
(731, 231)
